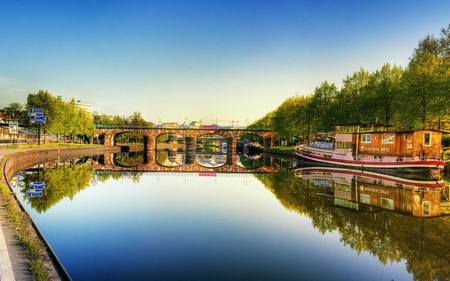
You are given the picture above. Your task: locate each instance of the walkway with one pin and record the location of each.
(13, 262)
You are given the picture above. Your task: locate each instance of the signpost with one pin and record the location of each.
(35, 111)
(38, 185)
(37, 117)
(34, 193)
(35, 189)
(13, 130)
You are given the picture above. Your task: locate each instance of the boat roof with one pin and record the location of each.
(401, 131)
(378, 127)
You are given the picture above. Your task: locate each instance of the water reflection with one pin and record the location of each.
(129, 159)
(171, 157)
(368, 191)
(391, 218)
(63, 179)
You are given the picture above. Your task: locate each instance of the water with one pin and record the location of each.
(153, 226)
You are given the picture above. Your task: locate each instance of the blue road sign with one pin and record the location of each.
(35, 111)
(34, 193)
(39, 185)
(38, 119)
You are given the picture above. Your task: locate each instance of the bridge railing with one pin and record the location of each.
(115, 126)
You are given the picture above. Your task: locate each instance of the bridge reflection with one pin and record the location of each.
(140, 161)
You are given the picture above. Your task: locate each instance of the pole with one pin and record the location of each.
(39, 134)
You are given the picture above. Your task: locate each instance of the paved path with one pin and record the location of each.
(6, 271)
(13, 262)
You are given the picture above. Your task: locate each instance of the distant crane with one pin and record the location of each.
(232, 121)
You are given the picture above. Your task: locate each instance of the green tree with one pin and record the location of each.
(421, 85)
(351, 103)
(62, 117)
(384, 91)
(286, 118)
(136, 119)
(320, 104)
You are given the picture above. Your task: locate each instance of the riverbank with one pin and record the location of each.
(24, 252)
(284, 151)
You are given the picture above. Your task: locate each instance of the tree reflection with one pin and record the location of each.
(391, 236)
(60, 182)
(129, 159)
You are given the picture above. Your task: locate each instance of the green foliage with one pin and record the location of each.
(390, 236)
(60, 182)
(412, 98)
(129, 159)
(61, 117)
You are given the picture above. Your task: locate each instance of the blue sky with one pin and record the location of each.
(178, 60)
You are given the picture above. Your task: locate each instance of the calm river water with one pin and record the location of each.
(183, 226)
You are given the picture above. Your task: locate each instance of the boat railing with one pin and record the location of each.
(396, 158)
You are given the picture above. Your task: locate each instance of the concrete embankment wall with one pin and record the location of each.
(23, 160)
(20, 161)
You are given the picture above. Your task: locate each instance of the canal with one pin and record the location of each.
(290, 224)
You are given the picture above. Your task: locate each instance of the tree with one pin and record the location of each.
(321, 103)
(351, 101)
(136, 119)
(384, 91)
(62, 117)
(287, 117)
(421, 85)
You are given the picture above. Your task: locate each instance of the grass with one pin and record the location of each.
(46, 145)
(282, 149)
(33, 246)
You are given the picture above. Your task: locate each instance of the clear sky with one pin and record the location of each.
(178, 60)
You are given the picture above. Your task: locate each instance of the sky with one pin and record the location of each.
(178, 60)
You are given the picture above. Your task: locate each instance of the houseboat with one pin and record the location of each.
(403, 181)
(375, 148)
(362, 190)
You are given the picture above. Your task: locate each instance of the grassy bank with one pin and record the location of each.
(282, 149)
(34, 249)
(46, 145)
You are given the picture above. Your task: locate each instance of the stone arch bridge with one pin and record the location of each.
(190, 134)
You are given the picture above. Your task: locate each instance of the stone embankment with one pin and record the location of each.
(18, 260)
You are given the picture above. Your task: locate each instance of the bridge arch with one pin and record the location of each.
(151, 133)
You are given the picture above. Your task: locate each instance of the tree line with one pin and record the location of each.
(415, 97)
(66, 119)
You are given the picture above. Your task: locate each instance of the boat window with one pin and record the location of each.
(427, 139)
(366, 138)
(426, 207)
(388, 138)
(364, 198)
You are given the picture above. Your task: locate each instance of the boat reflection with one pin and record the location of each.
(369, 191)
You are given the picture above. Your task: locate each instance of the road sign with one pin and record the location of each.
(36, 114)
(39, 185)
(35, 111)
(34, 193)
(13, 128)
(38, 119)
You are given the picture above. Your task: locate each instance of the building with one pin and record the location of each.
(84, 106)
